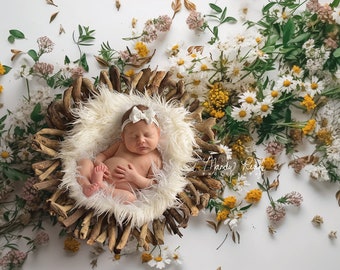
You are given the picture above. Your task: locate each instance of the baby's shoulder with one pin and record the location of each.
(157, 158)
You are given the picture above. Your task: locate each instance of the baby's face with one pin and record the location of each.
(141, 138)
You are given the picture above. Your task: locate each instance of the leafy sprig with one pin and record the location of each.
(219, 16)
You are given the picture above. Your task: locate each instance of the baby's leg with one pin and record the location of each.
(85, 170)
(97, 176)
(123, 195)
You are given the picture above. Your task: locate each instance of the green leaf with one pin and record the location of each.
(33, 55)
(336, 53)
(215, 7)
(268, 7)
(11, 39)
(229, 20)
(17, 34)
(335, 3)
(83, 62)
(7, 69)
(262, 187)
(224, 13)
(300, 38)
(288, 32)
(67, 60)
(13, 174)
(36, 114)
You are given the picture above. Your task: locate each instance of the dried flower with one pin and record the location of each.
(41, 238)
(44, 69)
(276, 213)
(146, 257)
(317, 220)
(293, 198)
(31, 194)
(45, 44)
(274, 148)
(332, 235)
(13, 259)
(195, 20)
(163, 23)
(71, 244)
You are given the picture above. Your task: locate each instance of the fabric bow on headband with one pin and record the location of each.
(137, 115)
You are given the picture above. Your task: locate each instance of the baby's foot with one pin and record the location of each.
(90, 189)
(98, 174)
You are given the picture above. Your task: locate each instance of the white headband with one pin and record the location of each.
(137, 115)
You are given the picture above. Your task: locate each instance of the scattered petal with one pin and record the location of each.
(53, 16)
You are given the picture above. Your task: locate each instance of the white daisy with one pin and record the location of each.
(248, 98)
(264, 107)
(314, 86)
(25, 155)
(286, 83)
(242, 113)
(6, 154)
(159, 261)
(273, 93)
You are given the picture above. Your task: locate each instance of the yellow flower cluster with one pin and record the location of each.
(71, 244)
(146, 257)
(2, 69)
(130, 72)
(324, 136)
(141, 49)
(254, 196)
(308, 102)
(222, 214)
(268, 163)
(229, 202)
(217, 100)
(309, 127)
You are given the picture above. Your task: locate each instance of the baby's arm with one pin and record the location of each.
(130, 174)
(109, 152)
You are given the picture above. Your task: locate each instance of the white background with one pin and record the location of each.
(297, 244)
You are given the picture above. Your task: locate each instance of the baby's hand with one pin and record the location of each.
(127, 173)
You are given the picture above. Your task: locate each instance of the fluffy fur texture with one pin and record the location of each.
(98, 124)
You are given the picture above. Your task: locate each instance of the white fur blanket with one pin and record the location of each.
(97, 123)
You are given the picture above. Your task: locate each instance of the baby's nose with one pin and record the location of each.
(141, 139)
